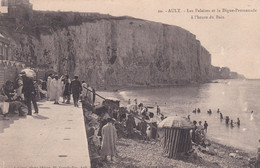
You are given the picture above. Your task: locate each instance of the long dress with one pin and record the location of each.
(48, 87)
(52, 89)
(143, 129)
(84, 90)
(109, 136)
(90, 95)
(66, 89)
(57, 89)
(19, 89)
(154, 128)
(61, 87)
(130, 124)
(4, 106)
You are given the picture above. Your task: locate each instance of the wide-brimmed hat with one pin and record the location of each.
(22, 74)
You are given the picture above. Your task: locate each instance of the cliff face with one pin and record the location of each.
(118, 52)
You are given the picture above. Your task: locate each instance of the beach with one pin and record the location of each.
(136, 153)
(234, 98)
(229, 145)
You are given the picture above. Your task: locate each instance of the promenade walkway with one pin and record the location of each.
(55, 138)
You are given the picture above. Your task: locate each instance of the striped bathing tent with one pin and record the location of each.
(176, 139)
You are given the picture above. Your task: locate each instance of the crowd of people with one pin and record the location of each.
(134, 121)
(64, 87)
(198, 134)
(199, 131)
(17, 96)
(228, 120)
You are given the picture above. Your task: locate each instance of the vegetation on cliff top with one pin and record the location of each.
(47, 22)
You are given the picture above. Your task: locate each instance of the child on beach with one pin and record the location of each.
(158, 110)
(238, 122)
(231, 123)
(206, 126)
(221, 116)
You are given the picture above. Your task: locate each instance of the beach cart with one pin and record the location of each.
(175, 134)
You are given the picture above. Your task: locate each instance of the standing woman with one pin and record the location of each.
(55, 88)
(109, 137)
(58, 85)
(52, 88)
(49, 87)
(66, 91)
(84, 90)
(90, 95)
(20, 95)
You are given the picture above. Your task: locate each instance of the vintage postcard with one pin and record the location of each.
(119, 83)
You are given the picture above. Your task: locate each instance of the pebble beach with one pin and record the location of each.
(133, 152)
(136, 153)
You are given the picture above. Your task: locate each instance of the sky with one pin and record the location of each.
(233, 41)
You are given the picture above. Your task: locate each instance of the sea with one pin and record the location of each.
(234, 98)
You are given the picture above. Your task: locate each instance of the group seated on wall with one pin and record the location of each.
(12, 100)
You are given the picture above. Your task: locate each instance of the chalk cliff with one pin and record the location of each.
(112, 51)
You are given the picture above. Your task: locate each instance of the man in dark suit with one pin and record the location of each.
(29, 94)
(75, 90)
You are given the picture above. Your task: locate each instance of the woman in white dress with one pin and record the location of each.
(57, 88)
